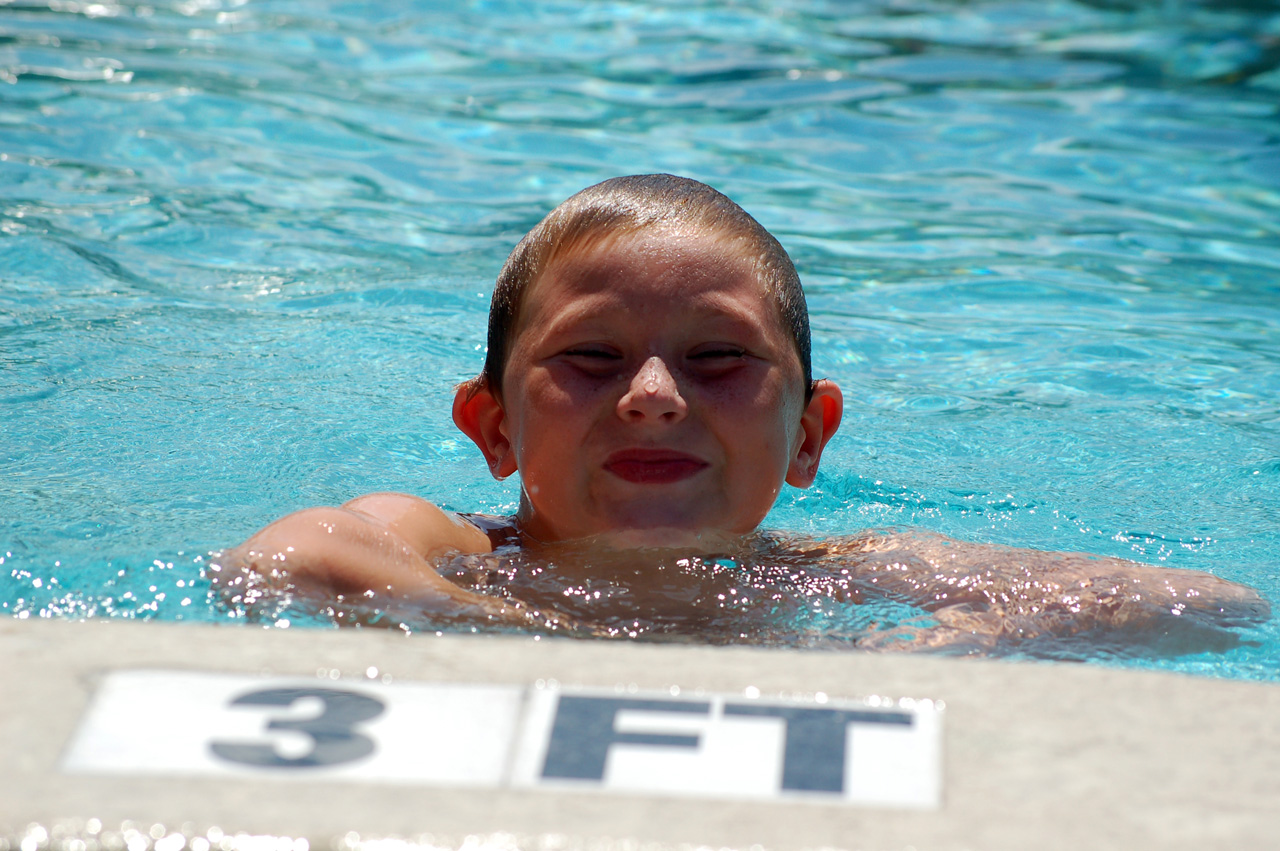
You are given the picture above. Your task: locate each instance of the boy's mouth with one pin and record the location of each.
(653, 466)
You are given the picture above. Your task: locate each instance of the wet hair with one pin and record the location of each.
(624, 205)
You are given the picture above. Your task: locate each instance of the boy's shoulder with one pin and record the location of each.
(430, 530)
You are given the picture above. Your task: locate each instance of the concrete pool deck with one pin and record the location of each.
(1032, 755)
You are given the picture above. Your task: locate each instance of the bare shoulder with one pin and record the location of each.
(374, 541)
(424, 526)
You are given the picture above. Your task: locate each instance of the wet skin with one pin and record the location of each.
(652, 391)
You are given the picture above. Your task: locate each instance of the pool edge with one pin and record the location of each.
(1050, 755)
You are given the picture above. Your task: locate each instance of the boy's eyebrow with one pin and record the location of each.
(707, 310)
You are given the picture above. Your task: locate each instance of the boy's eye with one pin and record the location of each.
(716, 360)
(593, 360)
(718, 353)
(593, 354)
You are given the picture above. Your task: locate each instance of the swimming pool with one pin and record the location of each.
(248, 246)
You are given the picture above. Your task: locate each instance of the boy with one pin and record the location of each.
(648, 375)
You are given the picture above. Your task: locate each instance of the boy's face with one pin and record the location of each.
(650, 388)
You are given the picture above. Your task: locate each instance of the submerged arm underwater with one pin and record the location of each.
(981, 594)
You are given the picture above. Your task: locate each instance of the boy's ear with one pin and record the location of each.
(820, 420)
(479, 414)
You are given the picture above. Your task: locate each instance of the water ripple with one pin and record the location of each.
(246, 245)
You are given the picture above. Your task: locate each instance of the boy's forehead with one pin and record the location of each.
(676, 266)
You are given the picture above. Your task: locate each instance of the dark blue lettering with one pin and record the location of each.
(585, 728)
(813, 755)
(333, 738)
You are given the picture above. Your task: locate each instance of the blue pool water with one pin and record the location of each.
(247, 247)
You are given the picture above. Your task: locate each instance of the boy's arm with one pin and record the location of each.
(984, 592)
(380, 542)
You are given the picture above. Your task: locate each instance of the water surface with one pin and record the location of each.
(247, 249)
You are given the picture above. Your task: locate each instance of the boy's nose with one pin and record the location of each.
(653, 394)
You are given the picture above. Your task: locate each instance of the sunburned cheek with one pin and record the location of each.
(560, 391)
(776, 415)
(766, 387)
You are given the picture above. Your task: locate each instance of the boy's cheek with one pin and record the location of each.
(566, 386)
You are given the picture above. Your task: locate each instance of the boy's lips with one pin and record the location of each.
(653, 466)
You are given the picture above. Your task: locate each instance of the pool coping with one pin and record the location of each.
(1045, 755)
